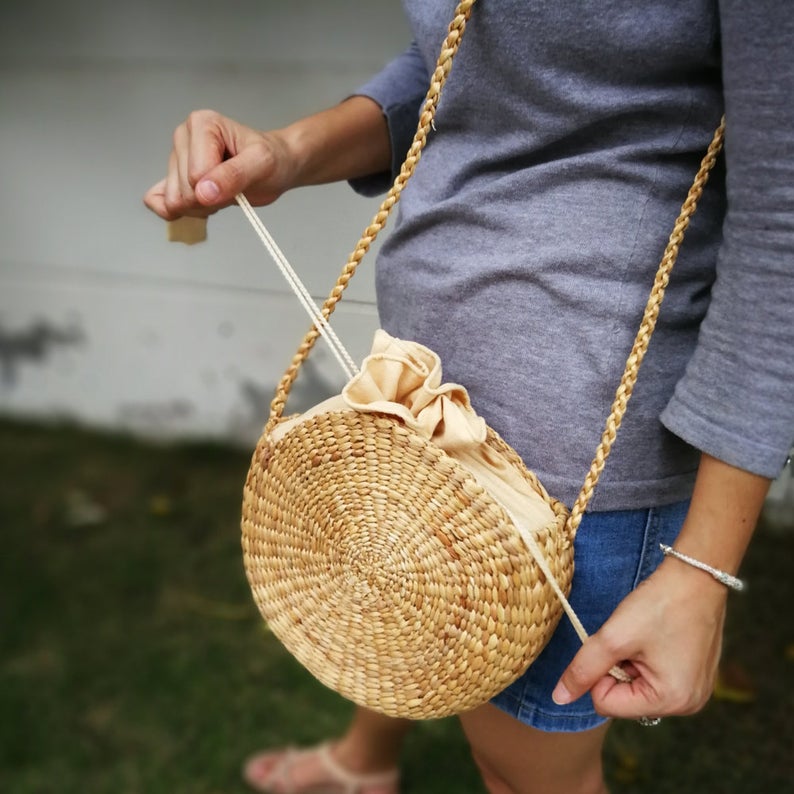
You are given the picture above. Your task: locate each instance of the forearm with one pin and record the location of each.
(346, 141)
(725, 507)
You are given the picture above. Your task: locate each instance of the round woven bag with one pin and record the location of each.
(388, 572)
(379, 561)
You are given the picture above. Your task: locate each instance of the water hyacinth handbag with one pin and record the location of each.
(394, 543)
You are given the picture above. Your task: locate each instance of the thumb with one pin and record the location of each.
(254, 165)
(591, 664)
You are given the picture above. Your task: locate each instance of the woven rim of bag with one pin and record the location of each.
(397, 581)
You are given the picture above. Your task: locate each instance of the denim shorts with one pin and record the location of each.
(613, 553)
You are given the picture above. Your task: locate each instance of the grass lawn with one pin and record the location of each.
(132, 658)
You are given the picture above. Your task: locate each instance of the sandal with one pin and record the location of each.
(272, 772)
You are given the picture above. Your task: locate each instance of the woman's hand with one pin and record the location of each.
(668, 632)
(214, 158)
(667, 635)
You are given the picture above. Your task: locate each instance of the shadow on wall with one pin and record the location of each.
(104, 322)
(312, 387)
(33, 345)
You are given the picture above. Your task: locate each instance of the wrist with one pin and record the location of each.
(722, 577)
(723, 512)
(343, 142)
(691, 584)
(296, 145)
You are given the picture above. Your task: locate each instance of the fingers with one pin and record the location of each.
(590, 665)
(209, 138)
(668, 647)
(588, 672)
(173, 196)
(178, 178)
(212, 159)
(254, 163)
(177, 202)
(678, 694)
(154, 199)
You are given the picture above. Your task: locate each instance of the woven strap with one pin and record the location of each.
(647, 326)
(439, 77)
(650, 315)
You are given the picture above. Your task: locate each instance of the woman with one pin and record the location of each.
(523, 252)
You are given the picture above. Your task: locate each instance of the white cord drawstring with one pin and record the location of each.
(298, 287)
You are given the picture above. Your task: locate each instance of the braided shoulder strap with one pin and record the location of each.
(439, 77)
(650, 315)
(647, 326)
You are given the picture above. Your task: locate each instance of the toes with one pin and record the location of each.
(261, 770)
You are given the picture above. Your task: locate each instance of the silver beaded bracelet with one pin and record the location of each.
(720, 576)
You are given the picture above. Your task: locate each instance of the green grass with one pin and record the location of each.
(132, 658)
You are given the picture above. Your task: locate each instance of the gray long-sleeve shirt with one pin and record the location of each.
(526, 242)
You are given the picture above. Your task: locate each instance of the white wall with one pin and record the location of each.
(101, 319)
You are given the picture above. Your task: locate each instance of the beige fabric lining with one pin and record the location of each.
(404, 380)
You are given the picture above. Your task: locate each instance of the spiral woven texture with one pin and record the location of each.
(389, 573)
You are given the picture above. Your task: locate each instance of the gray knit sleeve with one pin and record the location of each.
(736, 399)
(399, 89)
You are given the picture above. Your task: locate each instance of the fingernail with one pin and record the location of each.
(207, 190)
(561, 696)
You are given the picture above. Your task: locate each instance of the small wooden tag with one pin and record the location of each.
(187, 230)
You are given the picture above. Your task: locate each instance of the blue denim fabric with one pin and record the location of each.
(613, 553)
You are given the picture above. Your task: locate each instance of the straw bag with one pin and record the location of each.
(415, 571)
